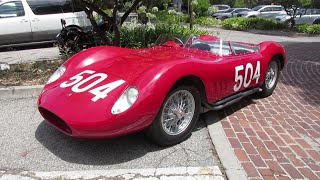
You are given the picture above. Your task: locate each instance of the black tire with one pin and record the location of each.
(266, 89)
(156, 131)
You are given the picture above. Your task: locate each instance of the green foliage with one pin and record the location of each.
(139, 36)
(309, 28)
(173, 17)
(252, 23)
(206, 21)
(200, 7)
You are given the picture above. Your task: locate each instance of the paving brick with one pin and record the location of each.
(275, 167)
(242, 137)
(298, 150)
(278, 129)
(293, 172)
(280, 156)
(269, 177)
(265, 172)
(250, 169)
(264, 153)
(293, 134)
(249, 148)
(241, 155)
(256, 126)
(250, 131)
(287, 139)
(314, 154)
(303, 144)
(263, 135)
(304, 125)
(278, 141)
(244, 123)
(225, 124)
(313, 133)
(256, 142)
(237, 127)
(257, 161)
(234, 142)
(229, 133)
(270, 145)
(294, 160)
(270, 132)
(283, 178)
(285, 150)
(308, 173)
(315, 127)
(312, 164)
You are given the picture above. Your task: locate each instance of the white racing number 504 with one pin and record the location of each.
(248, 76)
(100, 92)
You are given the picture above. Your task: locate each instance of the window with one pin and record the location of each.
(212, 46)
(267, 9)
(243, 48)
(42, 7)
(315, 11)
(11, 9)
(277, 9)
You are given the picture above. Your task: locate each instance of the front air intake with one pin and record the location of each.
(55, 121)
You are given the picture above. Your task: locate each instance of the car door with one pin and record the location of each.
(266, 12)
(223, 74)
(14, 23)
(304, 17)
(46, 18)
(246, 74)
(315, 13)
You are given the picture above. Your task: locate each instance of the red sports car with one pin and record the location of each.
(110, 91)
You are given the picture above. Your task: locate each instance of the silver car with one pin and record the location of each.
(232, 12)
(305, 16)
(266, 11)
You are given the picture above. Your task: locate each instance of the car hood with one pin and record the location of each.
(126, 64)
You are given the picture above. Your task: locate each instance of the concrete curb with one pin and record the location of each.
(186, 173)
(226, 154)
(20, 91)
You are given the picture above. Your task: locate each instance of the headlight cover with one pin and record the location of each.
(128, 97)
(57, 74)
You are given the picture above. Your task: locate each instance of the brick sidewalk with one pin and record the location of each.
(279, 137)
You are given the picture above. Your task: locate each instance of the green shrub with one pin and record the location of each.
(137, 36)
(200, 7)
(206, 21)
(173, 17)
(309, 28)
(252, 23)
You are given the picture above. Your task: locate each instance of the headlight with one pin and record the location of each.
(57, 74)
(126, 100)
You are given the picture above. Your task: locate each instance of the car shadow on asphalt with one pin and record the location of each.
(98, 151)
(27, 47)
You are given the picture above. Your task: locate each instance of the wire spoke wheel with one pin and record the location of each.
(178, 112)
(272, 75)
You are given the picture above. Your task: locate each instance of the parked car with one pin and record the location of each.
(222, 7)
(317, 21)
(266, 11)
(109, 91)
(232, 12)
(34, 21)
(305, 16)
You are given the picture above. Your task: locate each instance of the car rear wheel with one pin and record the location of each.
(176, 117)
(271, 79)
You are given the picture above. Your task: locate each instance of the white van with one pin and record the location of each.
(34, 21)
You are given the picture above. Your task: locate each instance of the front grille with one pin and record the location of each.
(55, 121)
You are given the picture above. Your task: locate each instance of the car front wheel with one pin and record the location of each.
(271, 79)
(176, 117)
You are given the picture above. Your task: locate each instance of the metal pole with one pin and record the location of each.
(191, 14)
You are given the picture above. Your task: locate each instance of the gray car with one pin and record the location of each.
(232, 12)
(305, 16)
(266, 11)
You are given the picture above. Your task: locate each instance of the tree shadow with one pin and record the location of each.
(302, 71)
(27, 47)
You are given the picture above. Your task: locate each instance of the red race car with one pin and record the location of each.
(111, 91)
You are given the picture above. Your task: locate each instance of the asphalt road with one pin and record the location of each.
(27, 143)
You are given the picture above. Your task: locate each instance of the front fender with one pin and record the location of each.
(269, 49)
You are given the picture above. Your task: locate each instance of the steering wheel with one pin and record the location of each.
(175, 39)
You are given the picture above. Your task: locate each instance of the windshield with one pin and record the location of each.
(229, 10)
(257, 8)
(202, 42)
